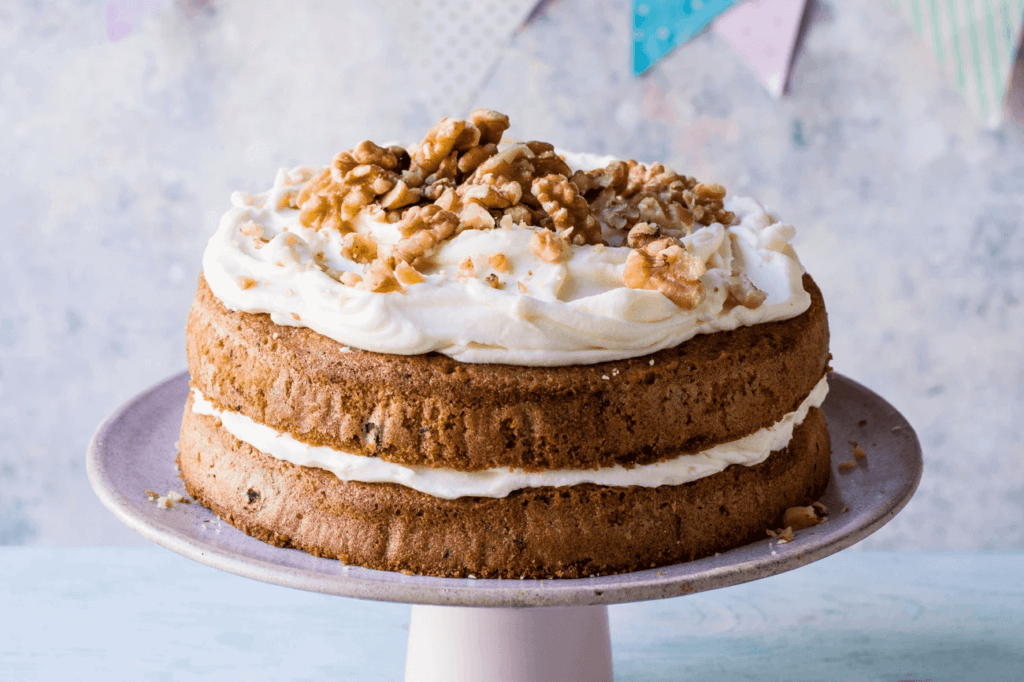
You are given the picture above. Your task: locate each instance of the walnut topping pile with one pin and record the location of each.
(460, 177)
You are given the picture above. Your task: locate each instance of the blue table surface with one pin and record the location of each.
(144, 613)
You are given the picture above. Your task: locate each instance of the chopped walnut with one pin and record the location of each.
(400, 195)
(492, 125)
(669, 268)
(466, 268)
(251, 229)
(567, 209)
(381, 278)
(361, 248)
(407, 274)
(799, 518)
(438, 144)
(549, 246)
(642, 234)
(499, 262)
(337, 194)
(246, 282)
(743, 292)
(494, 282)
(423, 228)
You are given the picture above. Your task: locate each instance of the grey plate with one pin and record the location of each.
(134, 450)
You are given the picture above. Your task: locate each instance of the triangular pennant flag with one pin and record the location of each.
(660, 25)
(975, 41)
(460, 42)
(764, 34)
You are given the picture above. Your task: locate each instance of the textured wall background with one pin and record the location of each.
(116, 159)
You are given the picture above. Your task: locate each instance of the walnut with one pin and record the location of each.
(668, 268)
(245, 282)
(549, 246)
(642, 234)
(499, 262)
(438, 144)
(799, 518)
(494, 282)
(475, 217)
(492, 125)
(423, 228)
(400, 195)
(402, 158)
(361, 248)
(466, 268)
(367, 152)
(381, 278)
(337, 194)
(447, 170)
(407, 274)
(705, 202)
(493, 192)
(434, 190)
(743, 292)
(472, 158)
(350, 279)
(568, 210)
(612, 177)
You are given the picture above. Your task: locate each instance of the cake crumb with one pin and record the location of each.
(152, 495)
(862, 422)
(406, 571)
(843, 466)
(164, 503)
(895, 428)
(852, 441)
(858, 452)
(845, 509)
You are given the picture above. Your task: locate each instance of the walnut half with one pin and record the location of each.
(665, 266)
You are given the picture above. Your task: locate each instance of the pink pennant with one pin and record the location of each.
(764, 33)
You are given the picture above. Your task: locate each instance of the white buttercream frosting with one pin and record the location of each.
(572, 312)
(499, 482)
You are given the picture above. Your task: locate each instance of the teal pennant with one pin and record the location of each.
(660, 25)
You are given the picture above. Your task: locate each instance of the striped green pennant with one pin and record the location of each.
(975, 41)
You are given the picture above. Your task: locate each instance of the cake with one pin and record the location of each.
(488, 358)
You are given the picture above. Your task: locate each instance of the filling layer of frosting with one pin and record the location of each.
(499, 482)
(546, 314)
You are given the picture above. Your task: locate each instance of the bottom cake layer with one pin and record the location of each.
(547, 532)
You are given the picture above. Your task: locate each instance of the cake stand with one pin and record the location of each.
(501, 630)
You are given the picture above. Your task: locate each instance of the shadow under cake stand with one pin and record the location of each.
(519, 629)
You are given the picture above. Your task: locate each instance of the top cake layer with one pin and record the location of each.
(507, 254)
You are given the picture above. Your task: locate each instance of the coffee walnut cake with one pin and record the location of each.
(475, 357)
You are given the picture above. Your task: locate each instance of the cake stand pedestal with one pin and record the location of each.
(517, 630)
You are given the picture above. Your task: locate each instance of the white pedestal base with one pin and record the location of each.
(460, 644)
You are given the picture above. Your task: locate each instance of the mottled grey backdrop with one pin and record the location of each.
(116, 159)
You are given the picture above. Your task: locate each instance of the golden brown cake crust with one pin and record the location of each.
(538, 533)
(431, 410)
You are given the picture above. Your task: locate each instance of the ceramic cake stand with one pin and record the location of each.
(519, 629)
